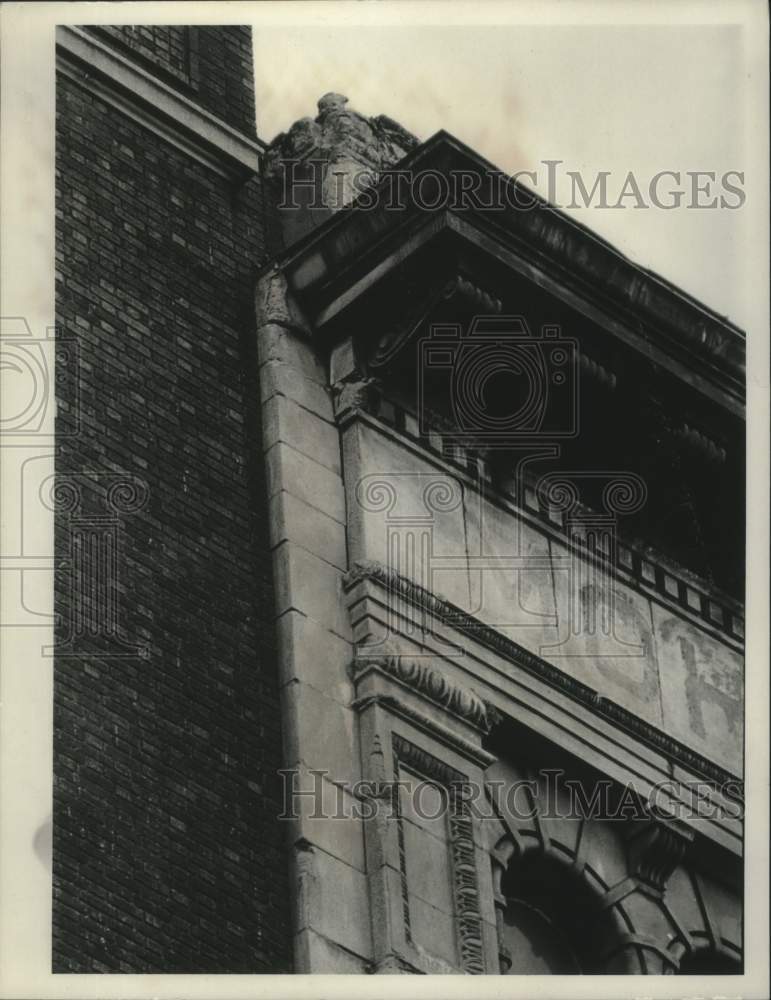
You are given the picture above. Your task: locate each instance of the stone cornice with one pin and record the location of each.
(455, 617)
(645, 312)
(455, 289)
(433, 685)
(146, 99)
(419, 719)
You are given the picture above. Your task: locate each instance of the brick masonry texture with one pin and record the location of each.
(210, 65)
(168, 47)
(168, 856)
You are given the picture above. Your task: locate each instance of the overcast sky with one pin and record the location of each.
(642, 98)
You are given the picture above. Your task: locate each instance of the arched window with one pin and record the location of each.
(549, 925)
(535, 943)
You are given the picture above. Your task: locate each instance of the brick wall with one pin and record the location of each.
(210, 64)
(167, 853)
(169, 48)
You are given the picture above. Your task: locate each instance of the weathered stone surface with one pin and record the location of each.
(342, 361)
(314, 953)
(339, 134)
(484, 876)
(387, 907)
(702, 689)
(277, 343)
(605, 851)
(683, 901)
(406, 514)
(278, 378)
(322, 164)
(331, 746)
(705, 909)
(329, 881)
(593, 628)
(428, 868)
(491, 945)
(605, 636)
(425, 524)
(520, 603)
(310, 585)
(433, 930)
(693, 911)
(655, 848)
(325, 814)
(275, 304)
(285, 420)
(433, 695)
(647, 917)
(294, 520)
(354, 394)
(305, 479)
(309, 651)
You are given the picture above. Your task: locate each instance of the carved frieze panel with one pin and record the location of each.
(451, 807)
(420, 735)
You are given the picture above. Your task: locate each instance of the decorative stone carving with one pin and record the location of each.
(448, 613)
(656, 848)
(275, 305)
(505, 960)
(339, 132)
(322, 164)
(355, 394)
(465, 888)
(703, 445)
(350, 148)
(481, 300)
(598, 372)
(377, 762)
(435, 686)
(305, 874)
(467, 912)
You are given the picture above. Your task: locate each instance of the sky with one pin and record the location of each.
(598, 97)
